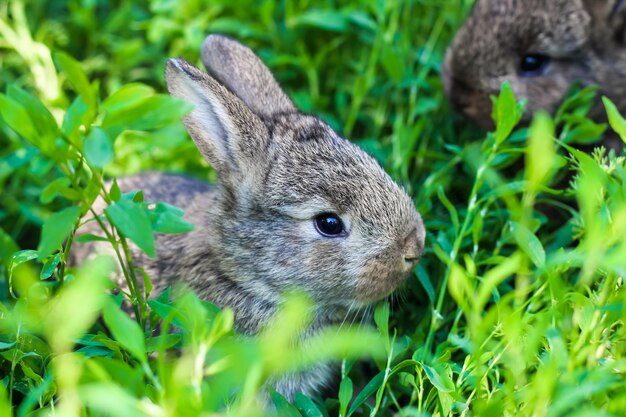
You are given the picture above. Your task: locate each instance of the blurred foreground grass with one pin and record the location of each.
(517, 308)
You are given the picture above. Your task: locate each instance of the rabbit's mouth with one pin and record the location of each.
(385, 272)
(378, 286)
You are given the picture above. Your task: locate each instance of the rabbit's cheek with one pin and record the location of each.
(380, 277)
(475, 106)
(480, 112)
(547, 92)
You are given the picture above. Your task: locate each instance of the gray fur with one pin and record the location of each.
(241, 71)
(585, 40)
(277, 170)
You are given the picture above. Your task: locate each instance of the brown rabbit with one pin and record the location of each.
(542, 47)
(295, 207)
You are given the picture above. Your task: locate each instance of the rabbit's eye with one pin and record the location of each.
(329, 225)
(534, 64)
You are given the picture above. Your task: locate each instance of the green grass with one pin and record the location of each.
(516, 309)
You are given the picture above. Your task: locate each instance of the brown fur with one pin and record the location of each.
(277, 170)
(584, 39)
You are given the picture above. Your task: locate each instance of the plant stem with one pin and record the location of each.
(471, 209)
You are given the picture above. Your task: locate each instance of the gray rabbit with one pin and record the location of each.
(295, 205)
(541, 47)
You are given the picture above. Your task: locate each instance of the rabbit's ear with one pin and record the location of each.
(227, 133)
(619, 9)
(243, 73)
(617, 20)
(613, 11)
(492, 7)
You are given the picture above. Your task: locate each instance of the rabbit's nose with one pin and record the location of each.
(470, 101)
(412, 248)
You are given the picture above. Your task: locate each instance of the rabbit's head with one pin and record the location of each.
(298, 206)
(542, 47)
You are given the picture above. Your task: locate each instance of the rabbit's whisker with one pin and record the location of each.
(346, 316)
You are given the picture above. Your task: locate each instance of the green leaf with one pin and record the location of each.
(494, 277)
(49, 266)
(616, 120)
(90, 193)
(589, 411)
(135, 196)
(392, 63)
(439, 378)
(28, 371)
(17, 118)
(362, 19)
(73, 118)
(41, 116)
(454, 215)
(424, 279)
(166, 218)
(132, 222)
(34, 396)
(381, 318)
(88, 237)
(125, 330)
(75, 308)
(7, 245)
(506, 113)
(95, 351)
(578, 102)
(166, 311)
(540, 153)
(60, 186)
(529, 243)
(77, 77)
(22, 256)
(307, 406)
(115, 193)
(128, 96)
(367, 392)
(55, 231)
(168, 341)
(460, 287)
(329, 20)
(108, 398)
(6, 408)
(222, 324)
(586, 133)
(235, 27)
(345, 395)
(153, 113)
(6, 345)
(283, 408)
(98, 148)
